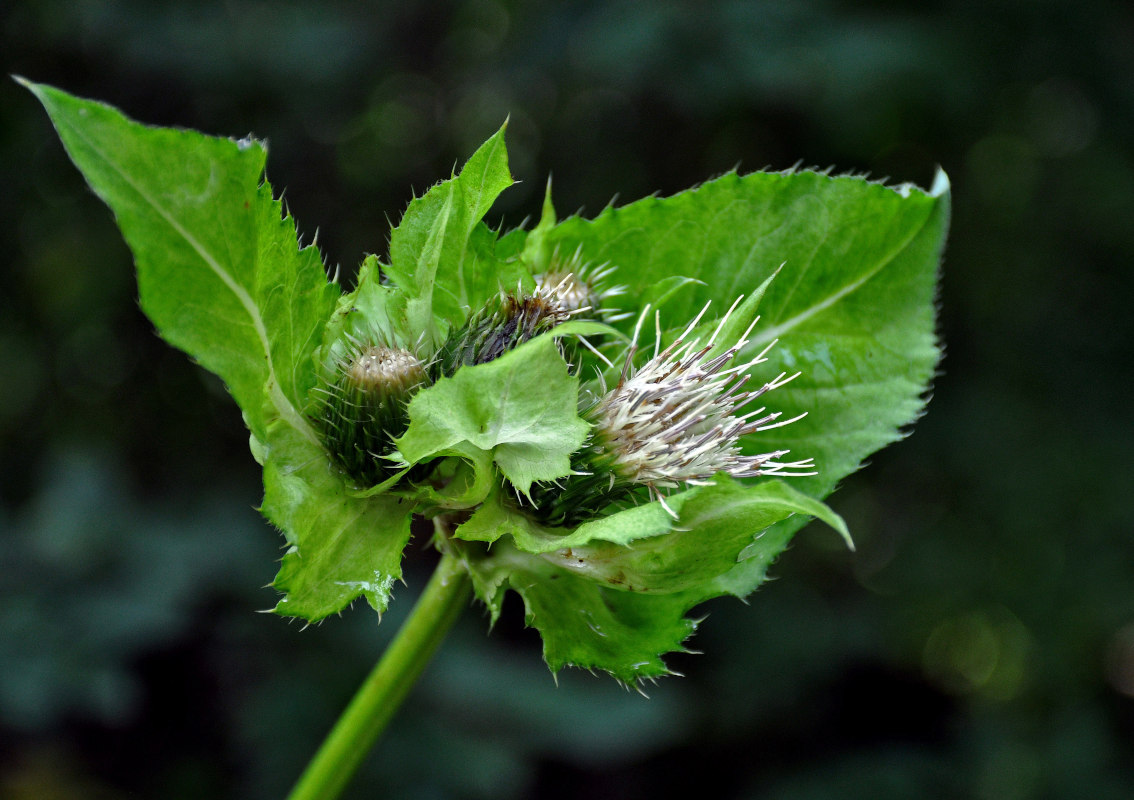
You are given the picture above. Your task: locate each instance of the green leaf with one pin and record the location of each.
(521, 407)
(220, 272)
(429, 254)
(222, 276)
(660, 293)
(717, 526)
(852, 307)
(584, 623)
(638, 567)
(342, 546)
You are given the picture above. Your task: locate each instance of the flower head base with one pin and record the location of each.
(677, 420)
(362, 409)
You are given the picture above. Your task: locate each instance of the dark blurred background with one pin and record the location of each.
(979, 644)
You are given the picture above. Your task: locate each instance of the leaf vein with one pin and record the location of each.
(776, 331)
(286, 409)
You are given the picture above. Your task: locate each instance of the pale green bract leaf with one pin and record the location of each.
(373, 313)
(715, 524)
(467, 478)
(637, 567)
(220, 272)
(755, 507)
(660, 293)
(521, 407)
(743, 316)
(491, 267)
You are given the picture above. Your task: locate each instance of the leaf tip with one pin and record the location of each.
(547, 217)
(38, 89)
(839, 525)
(941, 185)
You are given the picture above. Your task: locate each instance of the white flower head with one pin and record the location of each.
(678, 418)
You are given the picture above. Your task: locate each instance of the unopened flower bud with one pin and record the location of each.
(363, 408)
(503, 324)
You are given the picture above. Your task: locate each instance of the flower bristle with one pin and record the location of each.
(675, 421)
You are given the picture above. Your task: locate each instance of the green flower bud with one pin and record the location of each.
(362, 409)
(503, 324)
(569, 289)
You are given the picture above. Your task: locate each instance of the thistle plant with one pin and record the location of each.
(497, 384)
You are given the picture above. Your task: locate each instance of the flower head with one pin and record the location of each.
(677, 420)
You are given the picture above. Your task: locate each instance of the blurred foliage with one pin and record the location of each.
(979, 644)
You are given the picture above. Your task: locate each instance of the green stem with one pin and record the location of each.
(378, 698)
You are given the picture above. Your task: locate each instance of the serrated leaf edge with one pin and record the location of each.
(287, 411)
